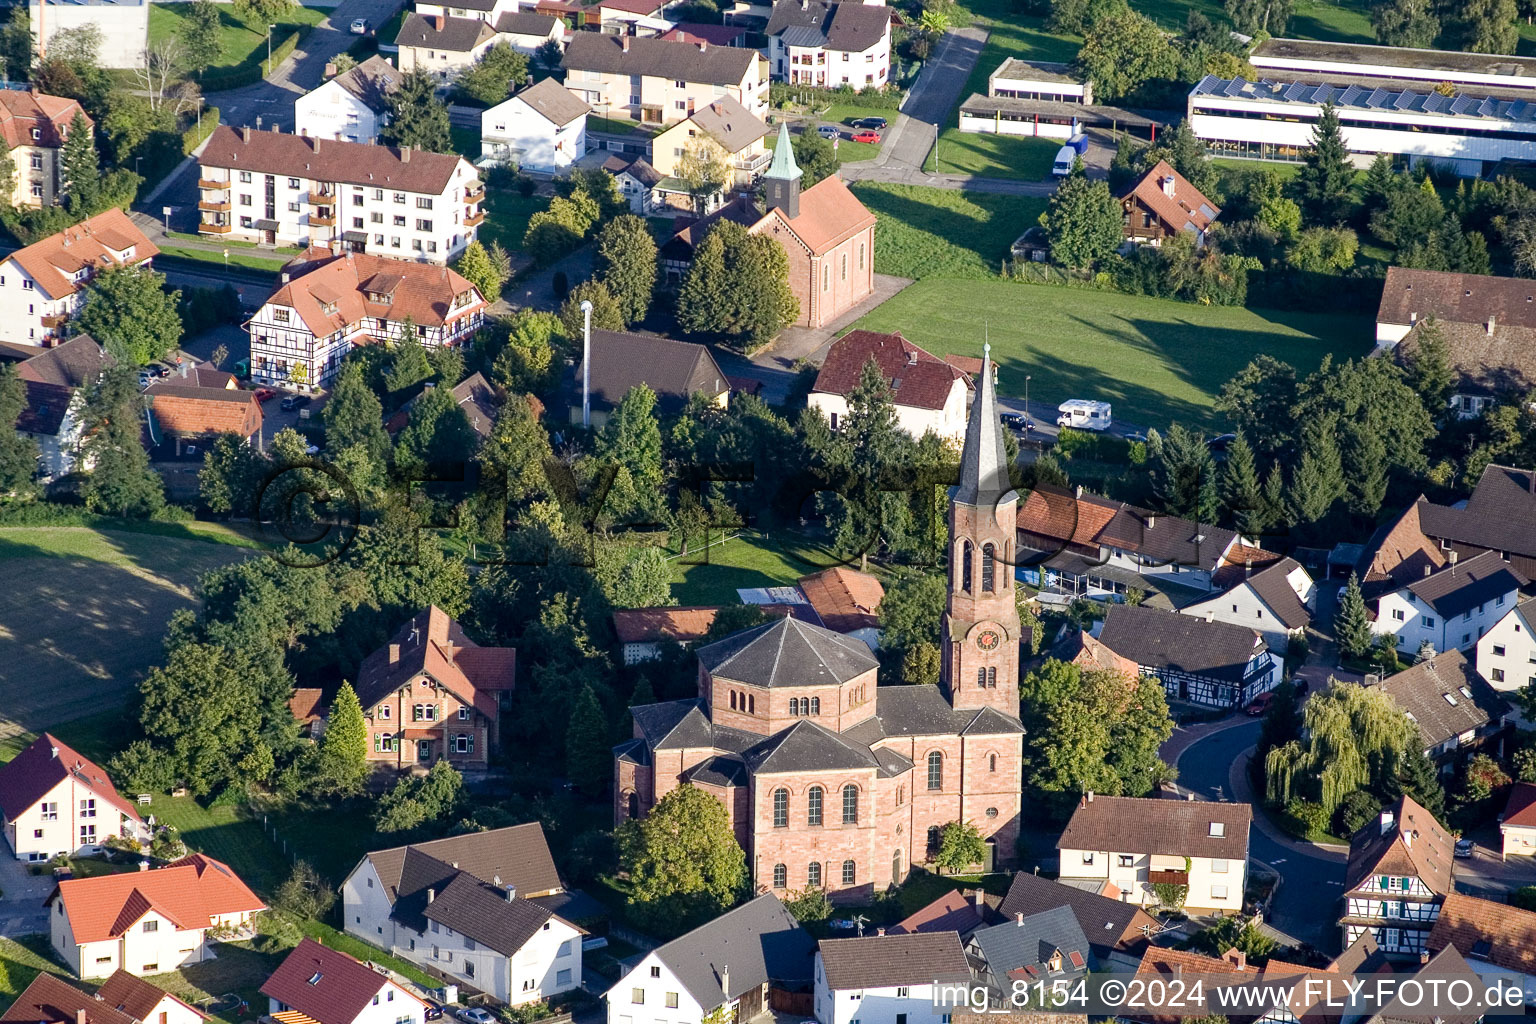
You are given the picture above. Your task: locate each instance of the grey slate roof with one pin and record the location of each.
(525, 23)
(718, 770)
(787, 652)
(851, 27)
(458, 35)
(519, 855)
(1465, 585)
(482, 911)
(672, 369)
(554, 101)
(1422, 691)
(984, 459)
(372, 81)
(757, 942)
(1029, 942)
(730, 124)
(1173, 828)
(1109, 924)
(923, 711)
(1497, 516)
(808, 747)
(1167, 640)
(659, 58)
(885, 961)
(676, 724)
(1271, 586)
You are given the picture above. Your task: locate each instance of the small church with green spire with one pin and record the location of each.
(828, 235)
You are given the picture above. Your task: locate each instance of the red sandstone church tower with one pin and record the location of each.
(981, 621)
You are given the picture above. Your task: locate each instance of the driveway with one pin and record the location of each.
(21, 906)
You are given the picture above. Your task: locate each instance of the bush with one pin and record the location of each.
(1524, 898)
(1356, 811)
(781, 94)
(1092, 446)
(144, 768)
(276, 933)
(1305, 819)
(167, 844)
(194, 136)
(304, 893)
(808, 905)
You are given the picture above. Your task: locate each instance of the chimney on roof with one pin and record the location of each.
(394, 653)
(405, 154)
(1088, 797)
(624, 43)
(315, 143)
(725, 981)
(53, 751)
(1490, 324)
(1408, 835)
(1210, 615)
(184, 368)
(1423, 956)
(431, 895)
(980, 896)
(143, 865)
(1018, 918)
(912, 358)
(80, 1016)
(1248, 567)
(274, 127)
(1451, 557)
(879, 932)
(511, 893)
(1168, 186)
(1429, 570)
(1151, 521)
(1236, 957)
(703, 46)
(1079, 492)
(1387, 820)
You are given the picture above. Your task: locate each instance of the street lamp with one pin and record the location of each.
(136, 164)
(1027, 378)
(269, 48)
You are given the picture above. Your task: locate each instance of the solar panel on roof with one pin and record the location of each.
(1435, 102)
(1488, 108)
(1460, 104)
(1378, 98)
(1295, 91)
(1235, 87)
(1350, 95)
(1406, 99)
(1517, 110)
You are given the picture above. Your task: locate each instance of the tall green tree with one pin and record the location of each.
(1325, 182)
(1355, 737)
(1184, 476)
(438, 434)
(912, 610)
(231, 474)
(1241, 492)
(416, 118)
(1483, 26)
(683, 862)
(128, 311)
(477, 267)
(737, 287)
(1258, 404)
(344, 746)
(263, 12)
(1405, 23)
(815, 157)
(408, 364)
(1352, 622)
(626, 264)
(1253, 16)
(1428, 366)
(121, 482)
(18, 453)
(419, 802)
(353, 416)
(631, 438)
(588, 754)
(607, 313)
(960, 847)
(1122, 50)
(1418, 778)
(1319, 478)
(1082, 221)
(200, 45)
(493, 75)
(81, 174)
(197, 708)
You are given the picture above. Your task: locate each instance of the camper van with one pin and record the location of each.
(1064, 159)
(1082, 414)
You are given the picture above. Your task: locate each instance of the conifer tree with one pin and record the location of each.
(1418, 779)
(588, 759)
(344, 747)
(1277, 509)
(1428, 367)
(1319, 478)
(1352, 623)
(1326, 179)
(82, 176)
(1241, 492)
(18, 453)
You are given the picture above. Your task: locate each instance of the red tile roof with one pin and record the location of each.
(1496, 933)
(1520, 811)
(50, 1000)
(348, 285)
(307, 704)
(829, 214)
(844, 599)
(43, 765)
(137, 997)
(97, 242)
(433, 644)
(353, 163)
(189, 892)
(955, 911)
(1186, 208)
(917, 378)
(1375, 850)
(185, 410)
(646, 625)
(325, 985)
(21, 112)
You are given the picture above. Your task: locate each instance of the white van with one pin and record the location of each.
(1083, 414)
(1064, 160)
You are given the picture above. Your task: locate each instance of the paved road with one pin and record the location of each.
(21, 905)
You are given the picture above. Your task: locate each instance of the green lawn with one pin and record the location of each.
(466, 142)
(993, 156)
(746, 561)
(21, 962)
(847, 152)
(847, 113)
(355, 947)
(922, 232)
(1157, 360)
(229, 833)
(237, 243)
(506, 217)
(238, 42)
(235, 259)
(611, 125)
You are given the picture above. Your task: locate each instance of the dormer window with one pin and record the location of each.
(382, 298)
(329, 308)
(37, 133)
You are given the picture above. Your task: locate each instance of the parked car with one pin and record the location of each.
(877, 123)
(828, 131)
(476, 1015)
(265, 394)
(287, 404)
(145, 378)
(1136, 437)
(1017, 421)
(433, 1011)
(1465, 848)
(1260, 704)
(300, 401)
(865, 135)
(359, 26)
(1220, 443)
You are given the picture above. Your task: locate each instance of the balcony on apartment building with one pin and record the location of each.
(55, 320)
(475, 219)
(1167, 877)
(753, 164)
(321, 197)
(214, 206)
(215, 227)
(217, 184)
(324, 217)
(474, 193)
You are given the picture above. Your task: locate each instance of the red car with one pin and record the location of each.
(265, 394)
(866, 136)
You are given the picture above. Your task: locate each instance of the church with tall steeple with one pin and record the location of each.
(830, 780)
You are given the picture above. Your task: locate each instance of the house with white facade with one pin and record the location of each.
(277, 189)
(888, 979)
(542, 128)
(57, 802)
(1517, 825)
(1135, 843)
(830, 45)
(122, 999)
(1451, 607)
(1449, 702)
(929, 393)
(316, 983)
(1044, 946)
(352, 107)
(1497, 940)
(1399, 871)
(43, 284)
(148, 921)
(1506, 653)
(1198, 660)
(661, 81)
(1275, 600)
(446, 44)
(331, 302)
(56, 381)
(475, 907)
(741, 138)
(727, 964)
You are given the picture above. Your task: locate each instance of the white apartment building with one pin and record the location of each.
(352, 107)
(488, 924)
(43, 285)
(277, 189)
(888, 979)
(659, 81)
(1506, 652)
(124, 26)
(331, 302)
(541, 128)
(830, 45)
(1135, 843)
(1452, 607)
(56, 802)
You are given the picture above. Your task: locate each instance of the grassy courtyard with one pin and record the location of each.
(847, 152)
(749, 560)
(1157, 360)
(239, 43)
(923, 232)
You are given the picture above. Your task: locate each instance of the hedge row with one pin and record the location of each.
(252, 71)
(194, 135)
(781, 94)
